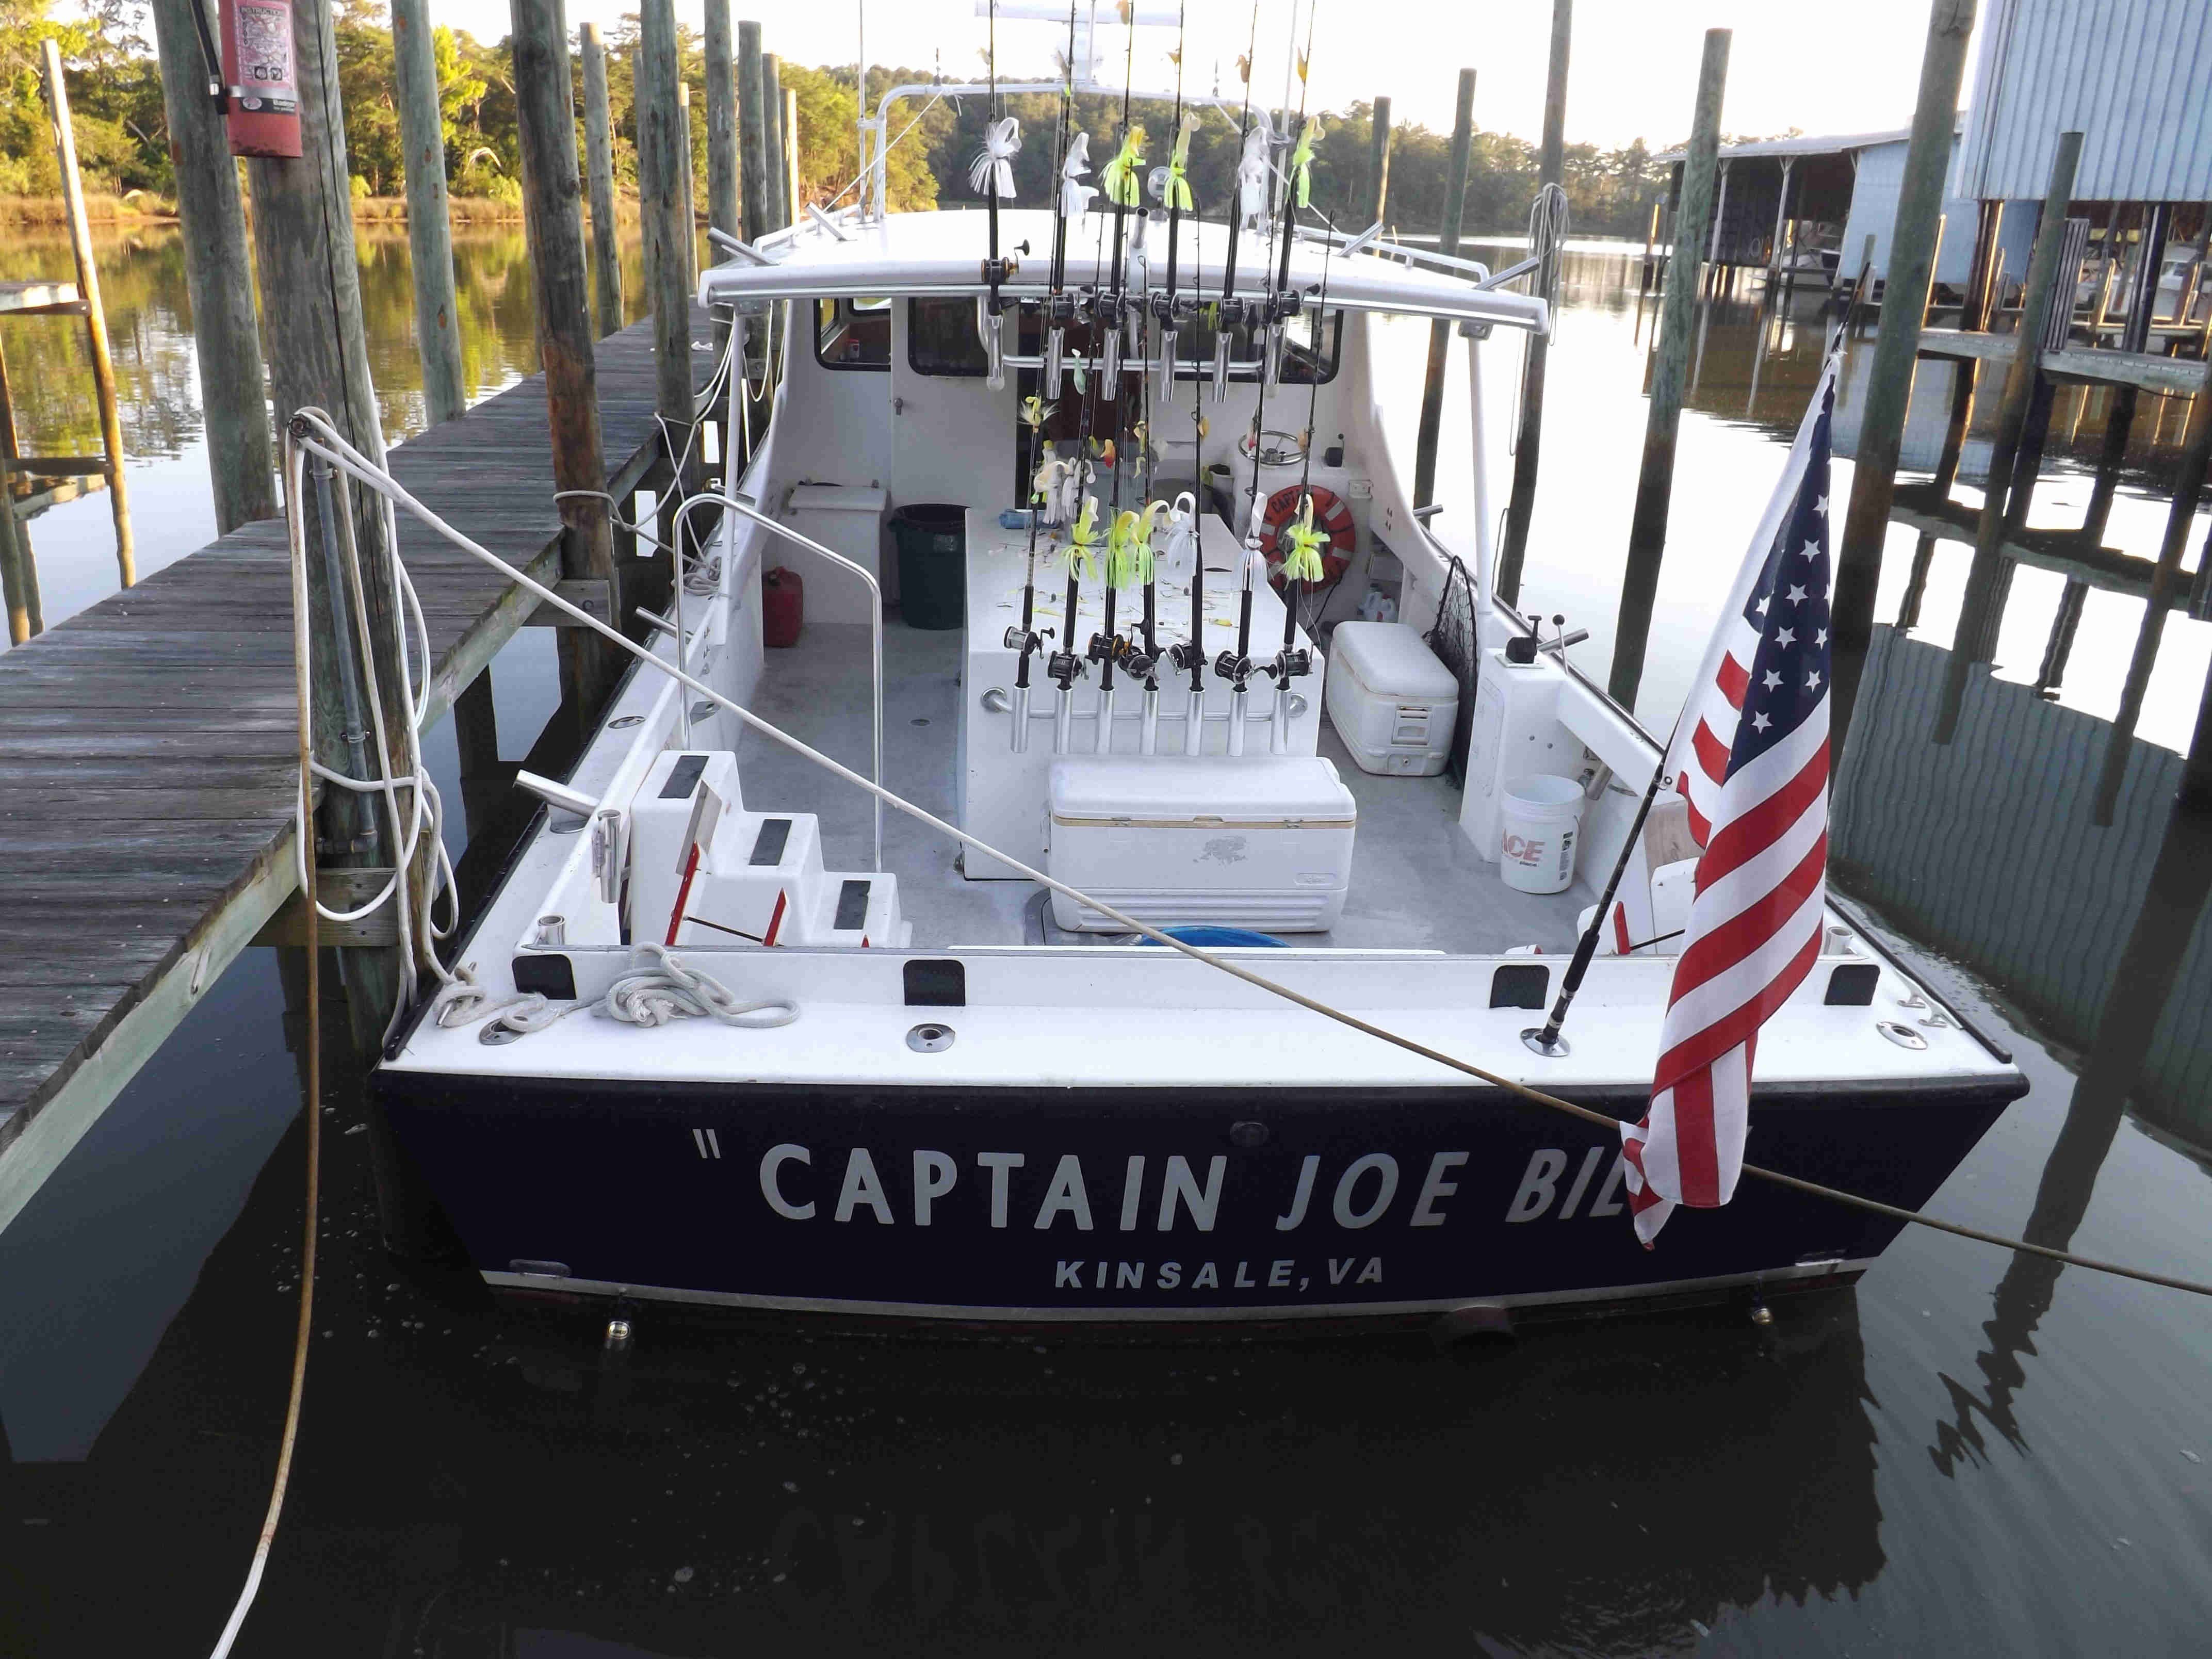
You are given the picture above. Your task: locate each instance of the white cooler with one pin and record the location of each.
(1260, 841)
(1394, 704)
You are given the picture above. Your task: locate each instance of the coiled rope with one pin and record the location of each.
(333, 447)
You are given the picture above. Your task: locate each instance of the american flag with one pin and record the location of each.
(1751, 759)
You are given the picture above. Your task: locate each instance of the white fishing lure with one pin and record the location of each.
(1074, 195)
(992, 172)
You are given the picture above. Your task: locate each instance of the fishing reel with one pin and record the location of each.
(1064, 668)
(1187, 655)
(1138, 663)
(1233, 666)
(1110, 648)
(1290, 664)
(1023, 641)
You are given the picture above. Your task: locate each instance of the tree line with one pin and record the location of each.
(123, 137)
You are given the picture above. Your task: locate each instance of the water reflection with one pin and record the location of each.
(1989, 850)
(471, 1475)
(142, 277)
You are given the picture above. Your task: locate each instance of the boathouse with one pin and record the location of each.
(1808, 202)
(2131, 76)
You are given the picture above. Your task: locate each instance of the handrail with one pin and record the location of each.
(745, 509)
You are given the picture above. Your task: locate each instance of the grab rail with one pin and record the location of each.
(745, 509)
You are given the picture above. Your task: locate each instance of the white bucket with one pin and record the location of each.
(1537, 823)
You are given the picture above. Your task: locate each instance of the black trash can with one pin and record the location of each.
(933, 563)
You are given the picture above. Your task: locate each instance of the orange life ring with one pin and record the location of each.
(1329, 512)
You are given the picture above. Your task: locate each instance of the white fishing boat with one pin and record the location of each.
(939, 1074)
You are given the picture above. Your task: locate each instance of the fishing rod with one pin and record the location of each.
(1124, 179)
(1026, 639)
(991, 173)
(1284, 303)
(1068, 663)
(1302, 564)
(1175, 187)
(1068, 164)
(1227, 314)
(1190, 655)
(1237, 666)
(1125, 190)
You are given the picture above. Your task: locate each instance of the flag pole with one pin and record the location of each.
(1545, 1040)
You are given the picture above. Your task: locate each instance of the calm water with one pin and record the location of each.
(1969, 1454)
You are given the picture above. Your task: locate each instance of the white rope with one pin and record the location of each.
(660, 987)
(462, 1001)
(423, 811)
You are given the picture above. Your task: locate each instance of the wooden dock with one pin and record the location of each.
(148, 753)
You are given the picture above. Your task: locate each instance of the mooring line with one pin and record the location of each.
(342, 453)
(314, 1109)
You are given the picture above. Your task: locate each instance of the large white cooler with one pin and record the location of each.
(1261, 842)
(1394, 704)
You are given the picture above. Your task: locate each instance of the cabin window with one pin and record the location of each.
(1313, 345)
(853, 334)
(941, 339)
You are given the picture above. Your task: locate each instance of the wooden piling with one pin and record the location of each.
(218, 275)
(1889, 374)
(753, 134)
(430, 219)
(1378, 161)
(1655, 487)
(1986, 577)
(19, 567)
(662, 146)
(1432, 389)
(545, 118)
(310, 315)
(87, 288)
(1521, 505)
(2166, 577)
(779, 211)
(792, 192)
(721, 121)
(599, 173)
(687, 190)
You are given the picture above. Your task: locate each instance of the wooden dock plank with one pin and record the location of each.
(147, 754)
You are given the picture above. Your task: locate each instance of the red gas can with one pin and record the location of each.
(783, 607)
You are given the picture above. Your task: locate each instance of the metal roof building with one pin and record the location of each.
(1846, 182)
(2133, 76)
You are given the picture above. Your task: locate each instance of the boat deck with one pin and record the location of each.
(1416, 882)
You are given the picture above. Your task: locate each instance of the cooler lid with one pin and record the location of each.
(838, 498)
(1186, 788)
(1393, 660)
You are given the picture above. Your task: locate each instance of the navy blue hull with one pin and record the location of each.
(1111, 1205)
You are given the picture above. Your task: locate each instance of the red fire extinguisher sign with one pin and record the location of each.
(263, 118)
